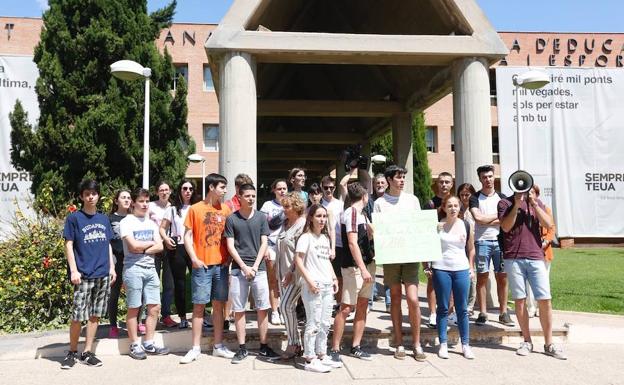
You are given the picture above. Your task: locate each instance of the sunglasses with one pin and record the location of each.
(329, 187)
(187, 188)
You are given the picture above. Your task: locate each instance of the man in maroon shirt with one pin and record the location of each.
(520, 219)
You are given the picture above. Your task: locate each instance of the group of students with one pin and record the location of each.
(308, 247)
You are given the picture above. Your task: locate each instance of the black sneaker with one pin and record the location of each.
(88, 358)
(357, 352)
(505, 319)
(481, 319)
(268, 353)
(70, 360)
(155, 350)
(335, 355)
(226, 325)
(137, 352)
(240, 355)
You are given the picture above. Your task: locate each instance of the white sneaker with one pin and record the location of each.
(351, 317)
(433, 322)
(452, 319)
(275, 318)
(443, 351)
(468, 354)
(191, 356)
(327, 361)
(316, 366)
(524, 349)
(223, 351)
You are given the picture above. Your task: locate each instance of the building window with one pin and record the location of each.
(208, 84)
(452, 139)
(181, 70)
(211, 137)
(493, 100)
(431, 138)
(495, 154)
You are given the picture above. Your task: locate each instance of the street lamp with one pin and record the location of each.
(531, 80)
(196, 158)
(129, 70)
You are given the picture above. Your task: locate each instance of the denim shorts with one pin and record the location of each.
(522, 270)
(141, 283)
(209, 283)
(239, 290)
(487, 251)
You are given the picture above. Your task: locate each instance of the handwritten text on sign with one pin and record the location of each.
(406, 237)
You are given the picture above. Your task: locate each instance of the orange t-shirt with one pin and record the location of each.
(207, 223)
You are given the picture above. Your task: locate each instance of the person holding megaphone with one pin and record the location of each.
(520, 219)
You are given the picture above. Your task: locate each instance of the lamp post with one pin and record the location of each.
(196, 158)
(129, 70)
(531, 80)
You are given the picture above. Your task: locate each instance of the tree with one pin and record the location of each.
(91, 124)
(422, 173)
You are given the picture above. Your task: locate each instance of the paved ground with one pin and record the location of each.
(587, 364)
(595, 347)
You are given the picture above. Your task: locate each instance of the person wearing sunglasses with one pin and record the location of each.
(334, 207)
(172, 233)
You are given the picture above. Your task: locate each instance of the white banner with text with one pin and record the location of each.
(18, 75)
(572, 140)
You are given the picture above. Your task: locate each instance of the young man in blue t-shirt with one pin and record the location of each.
(89, 255)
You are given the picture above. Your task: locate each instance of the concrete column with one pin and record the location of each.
(237, 117)
(471, 117)
(473, 130)
(402, 147)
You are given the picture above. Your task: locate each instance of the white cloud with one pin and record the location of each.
(43, 4)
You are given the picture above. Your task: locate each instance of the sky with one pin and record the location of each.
(505, 15)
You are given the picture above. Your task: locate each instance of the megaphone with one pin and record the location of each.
(520, 181)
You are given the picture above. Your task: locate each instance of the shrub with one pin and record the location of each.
(35, 292)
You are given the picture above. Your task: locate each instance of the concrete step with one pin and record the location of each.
(377, 336)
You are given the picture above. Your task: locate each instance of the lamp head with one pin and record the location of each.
(195, 158)
(129, 70)
(378, 159)
(532, 79)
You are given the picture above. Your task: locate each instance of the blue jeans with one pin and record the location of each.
(458, 282)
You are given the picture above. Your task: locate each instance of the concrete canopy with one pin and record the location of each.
(331, 73)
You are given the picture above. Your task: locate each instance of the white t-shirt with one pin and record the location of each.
(453, 249)
(317, 257)
(273, 209)
(177, 221)
(336, 207)
(157, 213)
(487, 205)
(141, 229)
(390, 203)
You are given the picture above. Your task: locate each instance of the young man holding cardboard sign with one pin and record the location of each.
(395, 200)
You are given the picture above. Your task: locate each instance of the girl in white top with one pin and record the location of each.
(156, 212)
(172, 233)
(275, 215)
(464, 192)
(452, 274)
(319, 286)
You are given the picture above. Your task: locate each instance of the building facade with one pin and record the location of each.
(185, 42)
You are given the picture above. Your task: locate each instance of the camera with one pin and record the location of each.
(352, 158)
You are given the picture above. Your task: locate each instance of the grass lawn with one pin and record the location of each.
(588, 280)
